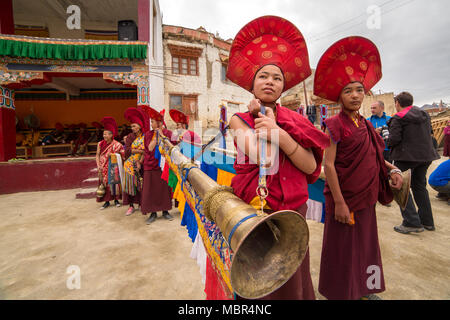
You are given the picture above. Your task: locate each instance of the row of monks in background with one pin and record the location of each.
(77, 135)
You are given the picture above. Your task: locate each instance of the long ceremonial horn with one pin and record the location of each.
(268, 249)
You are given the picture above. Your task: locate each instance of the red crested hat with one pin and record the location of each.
(135, 115)
(59, 126)
(109, 124)
(97, 125)
(352, 59)
(268, 40)
(155, 115)
(178, 116)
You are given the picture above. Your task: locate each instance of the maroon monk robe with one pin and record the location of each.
(348, 251)
(129, 140)
(288, 189)
(126, 198)
(156, 195)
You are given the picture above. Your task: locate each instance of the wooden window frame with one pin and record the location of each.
(223, 76)
(177, 95)
(189, 59)
(182, 106)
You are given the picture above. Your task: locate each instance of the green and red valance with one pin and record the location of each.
(38, 48)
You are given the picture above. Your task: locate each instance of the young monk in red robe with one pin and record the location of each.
(269, 56)
(108, 164)
(156, 194)
(182, 133)
(356, 174)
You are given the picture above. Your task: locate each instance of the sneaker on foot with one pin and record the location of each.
(442, 196)
(117, 203)
(429, 228)
(104, 206)
(130, 211)
(152, 218)
(167, 216)
(406, 230)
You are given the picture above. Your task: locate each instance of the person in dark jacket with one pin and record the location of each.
(412, 148)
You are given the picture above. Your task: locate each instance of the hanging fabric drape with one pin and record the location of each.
(71, 50)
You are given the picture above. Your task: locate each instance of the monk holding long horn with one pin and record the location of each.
(268, 57)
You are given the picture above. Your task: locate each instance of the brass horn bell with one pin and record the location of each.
(269, 251)
(101, 190)
(401, 196)
(268, 248)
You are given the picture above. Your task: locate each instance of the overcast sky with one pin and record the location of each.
(413, 37)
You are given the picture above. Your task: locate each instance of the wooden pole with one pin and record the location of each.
(306, 96)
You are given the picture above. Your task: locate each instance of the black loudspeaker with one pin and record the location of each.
(127, 30)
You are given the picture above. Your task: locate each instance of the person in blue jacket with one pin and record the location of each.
(379, 121)
(440, 181)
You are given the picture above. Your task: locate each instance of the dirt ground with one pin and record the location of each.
(119, 257)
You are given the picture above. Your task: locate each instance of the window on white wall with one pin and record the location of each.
(185, 60)
(185, 65)
(223, 72)
(186, 103)
(176, 102)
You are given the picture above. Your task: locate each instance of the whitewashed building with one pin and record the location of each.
(195, 63)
